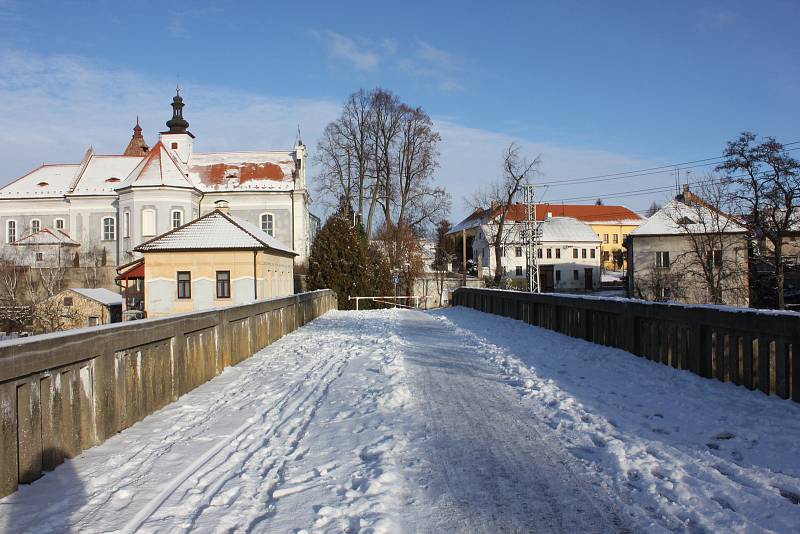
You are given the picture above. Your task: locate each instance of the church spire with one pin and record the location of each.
(137, 146)
(177, 124)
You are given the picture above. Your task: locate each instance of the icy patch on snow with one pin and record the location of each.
(682, 452)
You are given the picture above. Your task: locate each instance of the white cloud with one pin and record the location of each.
(345, 48)
(52, 108)
(431, 63)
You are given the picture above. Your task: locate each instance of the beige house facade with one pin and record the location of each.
(82, 307)
(215, 261)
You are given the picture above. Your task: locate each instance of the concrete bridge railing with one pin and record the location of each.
(757, 349)
(63, 393)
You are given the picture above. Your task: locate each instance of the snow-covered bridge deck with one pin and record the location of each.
(399, 421)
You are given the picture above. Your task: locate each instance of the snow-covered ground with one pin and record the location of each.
(457, 421)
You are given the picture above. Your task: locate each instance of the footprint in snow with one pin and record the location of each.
(724, 435)
(792, 496)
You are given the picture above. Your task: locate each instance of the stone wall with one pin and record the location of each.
(63, 393)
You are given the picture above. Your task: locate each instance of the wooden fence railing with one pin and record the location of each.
(753, 348)
(63, 393)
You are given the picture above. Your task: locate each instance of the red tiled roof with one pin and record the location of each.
(586, 213)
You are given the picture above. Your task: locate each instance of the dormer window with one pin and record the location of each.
(112, 180)
(42, 184)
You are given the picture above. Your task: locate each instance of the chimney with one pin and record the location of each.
(222, 206)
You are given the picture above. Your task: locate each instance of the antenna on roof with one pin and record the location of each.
(299, 140)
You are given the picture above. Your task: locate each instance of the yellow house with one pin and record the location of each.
(214, 261)
(79, 307)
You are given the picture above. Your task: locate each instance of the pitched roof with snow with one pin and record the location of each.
(567, 229)
(103, 174)
(243, 171)
(215, 231)
(158, 168)
(675, 218)
(589, 213)
(99, 294)
(47, 181)
(47, 236)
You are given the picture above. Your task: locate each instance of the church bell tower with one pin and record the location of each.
(178, 138)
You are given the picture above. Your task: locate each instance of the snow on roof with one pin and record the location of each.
(103, 174)
(589, 213)
(43, 182)
(235, 171)
(215, 231)
(47, 236)
(158, 168)
(665, 221)
(567, 229)
(99, 294)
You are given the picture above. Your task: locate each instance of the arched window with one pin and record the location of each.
(36, 225)
(58, 223)
(11, 231)
(268, 223)
(177, 218)
(109, 229)
(148, 222)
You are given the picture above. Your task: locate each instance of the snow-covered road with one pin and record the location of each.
(456, 421)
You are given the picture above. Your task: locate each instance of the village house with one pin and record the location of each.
(689, 252)
(110, 204)
(611, 224)
(216, 260)
(568, 253)
(81, 307)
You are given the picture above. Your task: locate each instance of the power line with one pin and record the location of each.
(694, 164)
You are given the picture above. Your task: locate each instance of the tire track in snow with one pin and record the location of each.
(243, 452)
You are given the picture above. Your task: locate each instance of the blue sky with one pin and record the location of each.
(593, 87)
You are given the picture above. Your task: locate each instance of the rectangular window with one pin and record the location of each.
(715, 256)
(148, 222)
(624, 237)
(575, 275)
(59, 224)
(223, 284)
(126, 224)
(184, 285)
(592, 253)
(605, 238)
(39, 256)
(109, 230)
(583, 253)
(616, 238)
(558, 253)
(177, 219)
(67, 302)
(662, 260)
(94, 321)
(518, 252)
(11, 231)
(518, 270)
(539, 253)
(36, 225)
(174, 146)
(574, 252)
(549, 253)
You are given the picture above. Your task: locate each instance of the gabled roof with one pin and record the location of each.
(158, 168)
(243, 171)
(667, 221)
(47, 236)
(215, 231)
(47, 181)
(567, 229)
(102, 174)
(99, 294)
(588, 213)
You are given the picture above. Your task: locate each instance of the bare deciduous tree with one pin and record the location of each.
(380, 155)
(496, 201)
(764, 183)
(715, 255)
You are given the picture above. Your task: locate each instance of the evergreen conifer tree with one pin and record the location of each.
(342, 260)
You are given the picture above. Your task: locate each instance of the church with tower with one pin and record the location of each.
(108, 204)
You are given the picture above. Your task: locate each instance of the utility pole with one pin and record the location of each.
(464, 254)
(532, 237)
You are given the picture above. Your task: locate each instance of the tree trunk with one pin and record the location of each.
(779, 273)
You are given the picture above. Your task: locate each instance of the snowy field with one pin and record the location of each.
(453, 421)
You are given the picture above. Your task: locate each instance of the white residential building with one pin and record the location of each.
(116, 202)
(569, 253)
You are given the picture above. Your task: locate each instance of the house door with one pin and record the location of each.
(546, 277)
(587, 277)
